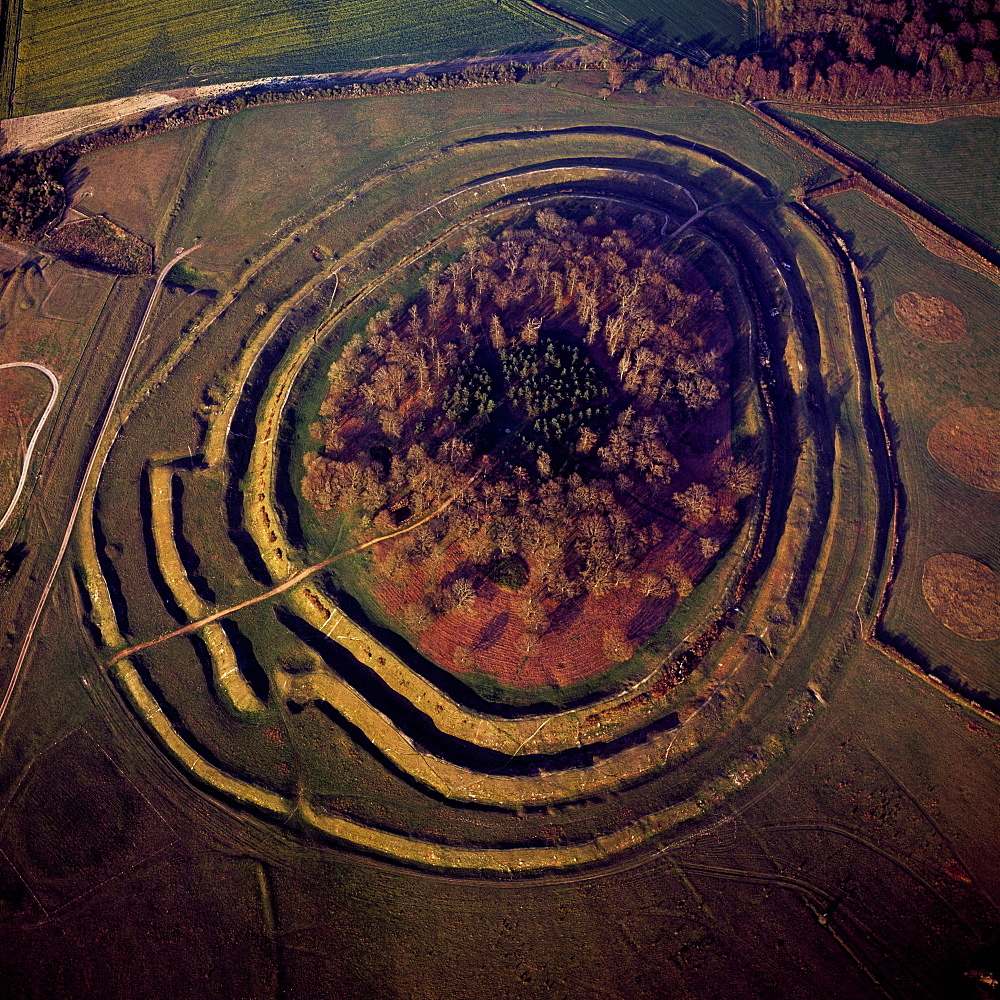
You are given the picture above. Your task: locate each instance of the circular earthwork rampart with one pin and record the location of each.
(660, 732)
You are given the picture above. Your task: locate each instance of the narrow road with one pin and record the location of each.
(29, 451)
(94, 464)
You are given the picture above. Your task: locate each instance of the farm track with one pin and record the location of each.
(837, 830)
(34, 132)
(280, 588)
(39, 427)
(600, 31)
(94, 465)
(270, 420)
(220, 306)
(281, 396)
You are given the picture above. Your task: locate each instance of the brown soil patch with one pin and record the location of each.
(98, 242)
(967, 444)
(930, 317)
(964, 595)
(490, 638)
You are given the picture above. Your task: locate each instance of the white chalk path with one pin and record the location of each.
(95, 464)
(30, 450)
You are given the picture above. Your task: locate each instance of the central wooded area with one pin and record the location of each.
(566, 378)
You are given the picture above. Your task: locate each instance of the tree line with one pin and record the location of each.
(856, 51)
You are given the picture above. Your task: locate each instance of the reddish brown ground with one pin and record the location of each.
(33, 317)
(967, 444)
(964, 595)
(23, 395)
(930, 317)
(491, 633)
(98, 242)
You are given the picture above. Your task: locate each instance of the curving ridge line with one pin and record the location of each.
(29, 451)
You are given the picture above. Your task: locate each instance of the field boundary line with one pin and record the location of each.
(10, 13)
(888, 192)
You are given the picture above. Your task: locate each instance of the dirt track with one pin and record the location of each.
(34, 132)
(94, 463)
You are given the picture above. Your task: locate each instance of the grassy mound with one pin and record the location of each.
(930, 317)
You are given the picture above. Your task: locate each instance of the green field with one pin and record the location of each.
(71, 53)
(952, 164)
(694, 27)
(923, 381)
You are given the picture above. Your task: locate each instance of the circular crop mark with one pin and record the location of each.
(966, 443)
(930, 317)
(964, 594)
(562, 387)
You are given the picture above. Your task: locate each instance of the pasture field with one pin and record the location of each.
(72, 54)
(140, 194)
(924, 381)
(333, 146)
(951, 164)
(842, 825)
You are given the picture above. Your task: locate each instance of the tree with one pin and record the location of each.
(741, 477)
(463, 593)
(675, 574)
(616, 76)
(696, 503)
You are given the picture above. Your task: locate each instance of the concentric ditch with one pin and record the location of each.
(689, 725)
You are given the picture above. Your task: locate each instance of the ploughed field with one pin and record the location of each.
(71, 53)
